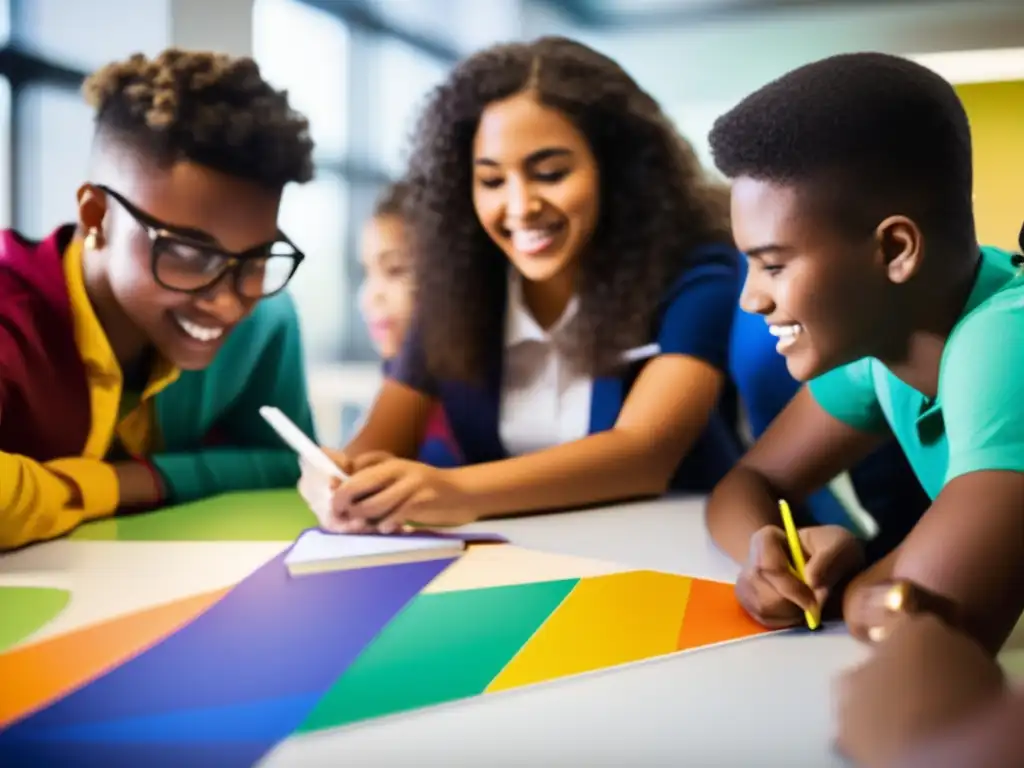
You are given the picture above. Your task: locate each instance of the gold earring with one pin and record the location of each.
(92, 239)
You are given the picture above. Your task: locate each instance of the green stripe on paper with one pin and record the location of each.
(444, 646)
(279, 515)
(24, 610)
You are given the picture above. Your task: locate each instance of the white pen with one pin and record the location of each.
(310, 452)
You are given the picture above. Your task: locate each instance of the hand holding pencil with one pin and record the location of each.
(779, 592)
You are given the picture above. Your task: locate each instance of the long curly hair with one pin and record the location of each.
(656, 205)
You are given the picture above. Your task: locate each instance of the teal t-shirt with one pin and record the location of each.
(976, 420)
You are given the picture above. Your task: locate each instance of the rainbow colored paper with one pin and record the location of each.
(219, 678)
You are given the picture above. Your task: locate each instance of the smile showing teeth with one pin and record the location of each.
(199, 332)
(532, 241)
(786, 335)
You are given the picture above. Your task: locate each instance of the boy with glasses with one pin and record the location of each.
(137, 344)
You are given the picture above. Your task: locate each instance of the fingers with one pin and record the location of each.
(769, 550)
(384, 503)
(369, 459)
(354, 525)
(832, 554)
(770, 560)
(869, 616)
(315, 489)
(764, 604)
(365, 483)
(396, 521)
(789, 587)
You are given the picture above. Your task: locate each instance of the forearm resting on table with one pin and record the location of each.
(741, 504)
(965, 555)
(212, 471)
(608, 466)
(991, 634)
(40, 501)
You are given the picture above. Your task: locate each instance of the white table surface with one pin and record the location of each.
(759, 702)
(764, 701)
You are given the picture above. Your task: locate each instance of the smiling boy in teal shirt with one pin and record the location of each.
(852, 199)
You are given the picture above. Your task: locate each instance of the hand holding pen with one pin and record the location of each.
(770, 587)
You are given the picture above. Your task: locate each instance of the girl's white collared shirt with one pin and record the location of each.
(545, 399)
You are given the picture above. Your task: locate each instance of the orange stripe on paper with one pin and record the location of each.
(713, 615)
(35, 675)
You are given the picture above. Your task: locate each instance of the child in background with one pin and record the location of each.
(386, 301)
(577, 286)
(852, 199)
(137, 343)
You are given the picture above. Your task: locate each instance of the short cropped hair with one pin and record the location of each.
(208, 108)
(882, 134)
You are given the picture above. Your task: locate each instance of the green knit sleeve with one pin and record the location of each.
(263, 366)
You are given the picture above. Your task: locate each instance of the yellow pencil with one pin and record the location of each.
(797, 553)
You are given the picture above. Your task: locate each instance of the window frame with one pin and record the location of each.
(24, 68)
(362, 167)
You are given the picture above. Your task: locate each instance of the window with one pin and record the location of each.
(406, 77)
(433, 19)
(359, 70)
(5, 21)
(87, 35)
(55, 133)
(313, 215)
(305, 51)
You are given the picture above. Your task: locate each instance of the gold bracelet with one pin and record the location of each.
(904, 597)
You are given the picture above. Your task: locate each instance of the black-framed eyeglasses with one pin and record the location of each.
(187, 263)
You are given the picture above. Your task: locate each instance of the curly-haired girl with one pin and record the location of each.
(576, 289)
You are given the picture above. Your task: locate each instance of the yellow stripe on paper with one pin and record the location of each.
(605, 621)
